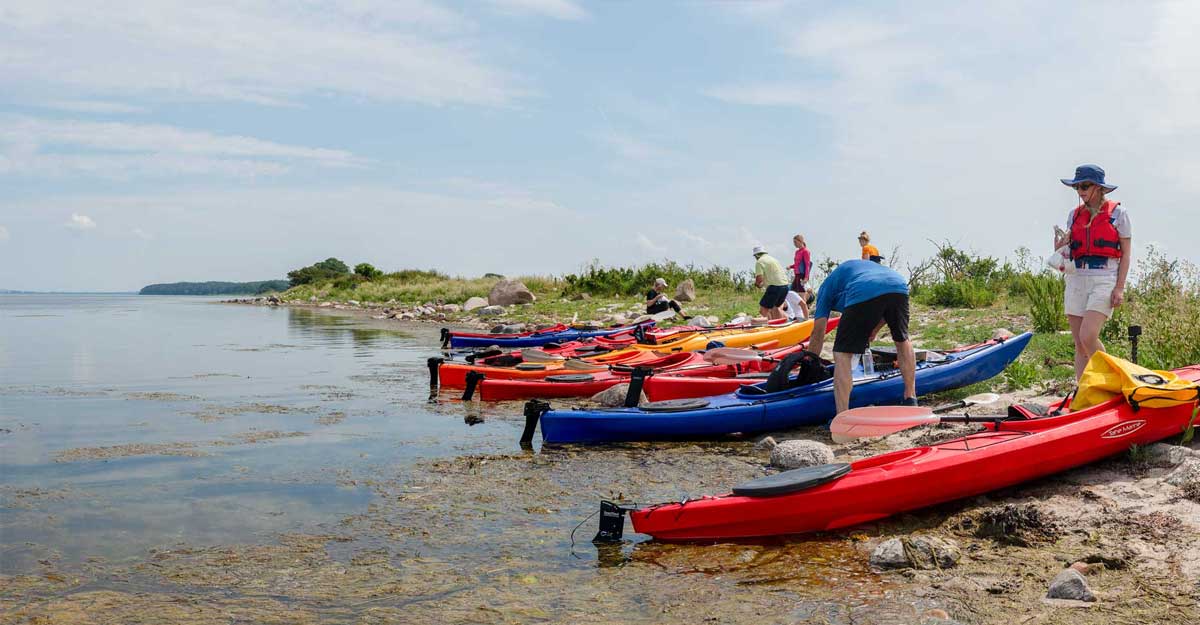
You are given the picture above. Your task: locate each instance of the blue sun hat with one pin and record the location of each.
(1089, 173)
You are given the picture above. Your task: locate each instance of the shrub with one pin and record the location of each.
(1045, 293)
(1165, 301)
(317, 272)
(956, 279)
(598, 280)
(367, 271)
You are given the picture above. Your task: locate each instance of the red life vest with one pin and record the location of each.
(1095, 236)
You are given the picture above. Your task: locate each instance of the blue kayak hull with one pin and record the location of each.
(744, 411)
(536, 339)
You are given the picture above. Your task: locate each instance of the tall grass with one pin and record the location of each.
(1045, 293)
(1165, 300)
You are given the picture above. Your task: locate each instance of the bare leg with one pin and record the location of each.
(804, 308)
(1089, 339)
(1081, 355)
(842, 381)
(906, 359)
(763, 311)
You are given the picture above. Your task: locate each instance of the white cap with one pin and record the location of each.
(660, 281)
(758, 249)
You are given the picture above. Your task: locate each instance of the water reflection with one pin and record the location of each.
(309, 324)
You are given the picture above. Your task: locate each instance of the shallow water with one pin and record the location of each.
(143, 439)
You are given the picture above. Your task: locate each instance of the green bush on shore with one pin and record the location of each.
(598, 280)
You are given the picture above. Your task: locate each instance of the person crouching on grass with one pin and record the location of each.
(868, 295)
(657, 301)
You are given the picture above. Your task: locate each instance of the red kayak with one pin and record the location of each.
(580, 383)
(1021, 447)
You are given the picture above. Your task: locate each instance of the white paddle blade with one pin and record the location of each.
(730, 355)
(877, 421)
(981, 399)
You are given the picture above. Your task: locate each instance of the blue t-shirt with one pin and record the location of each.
(856, 281)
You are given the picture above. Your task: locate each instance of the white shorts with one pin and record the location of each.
(1086, 293)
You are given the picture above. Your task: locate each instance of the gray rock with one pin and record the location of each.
(700, 321)
(490, 311)
(580, 297)
(1167, 455)
(473, 303)
(889, 555)
(685, 291)
(509, 292)
(1187, 473)
(451, 308)
(352, 302)
(614, 396)
(1069, 584)
(918, 552)
(406, 316)
(619, 319)
(800, 453)
(1002, 333)
(508, 328)
(713, 319)
(312, 298)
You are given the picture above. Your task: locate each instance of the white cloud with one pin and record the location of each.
(142, 234)
(34, 146)
(80, 222)
(93, 106)
(3, 233)
(648, 246)
(254, 51)
(557, 9)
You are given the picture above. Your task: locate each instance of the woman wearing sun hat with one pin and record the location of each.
(1098, 234)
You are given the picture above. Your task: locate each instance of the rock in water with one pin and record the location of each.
(509, 292)
(614, 396)
(1069, 584)
(800, 453)
(473, 303)
(918, 552)
(685, 291)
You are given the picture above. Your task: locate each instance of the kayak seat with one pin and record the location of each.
(530, 366)
(570, 377)
(1018, 412)
(675, 405)
(792, 481)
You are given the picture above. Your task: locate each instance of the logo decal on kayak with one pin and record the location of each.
(1123, 429)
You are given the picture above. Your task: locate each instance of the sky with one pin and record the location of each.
(163, 141)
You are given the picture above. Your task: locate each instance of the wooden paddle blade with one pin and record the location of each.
(876, 421)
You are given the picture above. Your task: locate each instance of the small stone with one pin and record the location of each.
(938, 614)
(473, 303)
(919, 552)
(889, 555)
(795, 454)
(700, 322)
(765, 444)
(352, 302)
(491, 311)
(451, 308)
(1082, 567)
(1002, 334)
(1069, 584)
(581, 297)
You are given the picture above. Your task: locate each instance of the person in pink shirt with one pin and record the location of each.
(801, 268)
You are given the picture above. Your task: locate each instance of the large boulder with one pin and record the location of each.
(800, 453)
(685, 291)
(473, 303)
(509, 292)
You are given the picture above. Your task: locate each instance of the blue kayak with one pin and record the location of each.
(752, 409)
(532, 339)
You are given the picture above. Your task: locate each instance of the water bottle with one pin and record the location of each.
(868, 360)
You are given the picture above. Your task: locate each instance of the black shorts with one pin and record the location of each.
(774, 296)
(854, 330)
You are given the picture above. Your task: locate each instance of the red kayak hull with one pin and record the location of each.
(1007, 453)
(500, 390)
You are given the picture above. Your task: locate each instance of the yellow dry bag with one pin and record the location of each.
(1107, 376)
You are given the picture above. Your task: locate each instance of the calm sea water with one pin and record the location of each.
(258, 409)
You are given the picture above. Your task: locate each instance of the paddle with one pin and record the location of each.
(877, 421)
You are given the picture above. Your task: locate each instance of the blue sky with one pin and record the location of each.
(159, 141)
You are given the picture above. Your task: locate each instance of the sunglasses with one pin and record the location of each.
(1084, 186)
